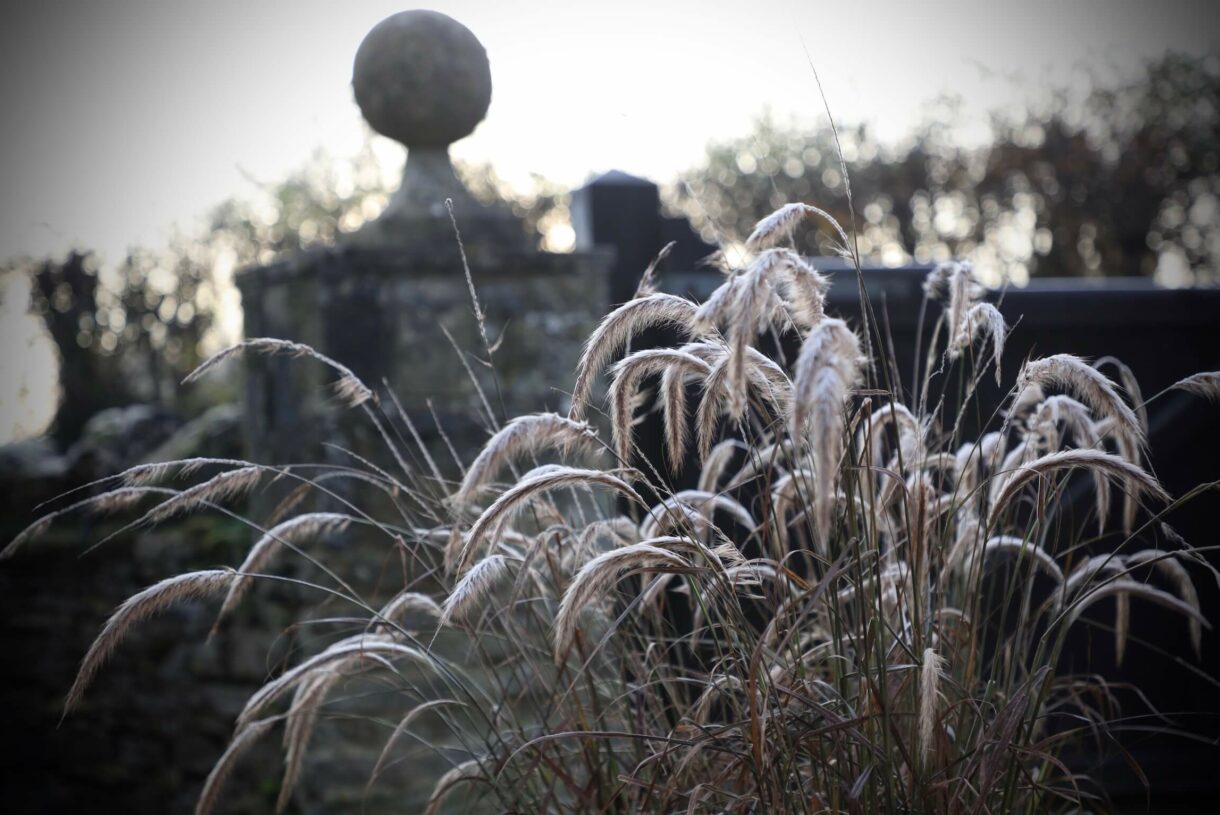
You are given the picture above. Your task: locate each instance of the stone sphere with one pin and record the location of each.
(422, 78)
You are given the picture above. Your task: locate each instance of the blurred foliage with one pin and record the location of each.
(1122, 182)
(124, 334)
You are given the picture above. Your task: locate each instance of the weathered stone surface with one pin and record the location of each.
(422, 78)
(385, 313)
(161, 710)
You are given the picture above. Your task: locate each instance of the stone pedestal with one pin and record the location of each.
(382, 300)
(384, 313)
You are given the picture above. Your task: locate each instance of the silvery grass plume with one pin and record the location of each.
(828, 368)
(779, 226)
(112, 500)
(967, 317)
(1097, 391)
(463, 773)
(777, 287)
(224, 486)
(140, 607)
(521, 438)
(648, 280)
(289, 533)
(765, 381)
(1206, 385)
(474, 586)
(929, 699)
(213, 785)
(348, 387)
(358, 650)
(1055, 415)
(1126, 378)
(1088, 385)
(676, 365)
(616, 330)
(533, 484)
(598, 575)
(1134, 477)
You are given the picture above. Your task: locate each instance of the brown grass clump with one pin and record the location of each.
(858, 607)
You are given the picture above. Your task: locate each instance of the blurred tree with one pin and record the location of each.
(125, 334)
(1126, 183)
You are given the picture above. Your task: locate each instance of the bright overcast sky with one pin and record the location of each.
(119, 119)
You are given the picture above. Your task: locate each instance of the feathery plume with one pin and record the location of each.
(242, 742)
(363, 646)
(910, 432)
(413, 714)
(1136, 589)
(407, 602)
(616, 329)
(929, 698)
(936, 284)
(826, 370)
(302, 715)
(224, 486)
(964, 292)
(1026, 548)
(1094, 460)
(717, 461)
(1169, 566)
(118, 498)
(1131, 385)
(473, 587)
(1206, 385)
(670, 512)
(32, 532)
(745, 304)
(1076, 419)
(535, 482)
(139, 607)
(982, 318)
(598, 575)
(779, 226)
(290, 532)
(625, 378)
(1089, 386)
(463, 773)
(648, 283)
(522, 437)
(348, 387)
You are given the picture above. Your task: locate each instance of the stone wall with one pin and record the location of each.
(385, 312)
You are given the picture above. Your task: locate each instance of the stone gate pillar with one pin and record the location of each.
(383, 298)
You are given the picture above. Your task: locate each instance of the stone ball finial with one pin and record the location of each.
(422, 79)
